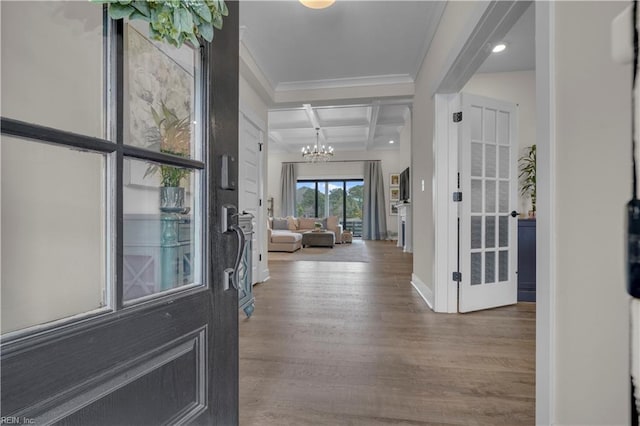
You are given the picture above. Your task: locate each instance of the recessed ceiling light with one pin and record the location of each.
(317, 4)
(392, 141)
(499, 48)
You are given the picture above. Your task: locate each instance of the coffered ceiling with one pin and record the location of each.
(352, 44)
(345, 127)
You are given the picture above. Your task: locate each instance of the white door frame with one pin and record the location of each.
(465, 63)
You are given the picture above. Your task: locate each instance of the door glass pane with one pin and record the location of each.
(160, 105)
(476, 123)
(490, 231)
(490, 125)
(323, 195)
(53, 232)
(161, 230)
(503, 197)
(53, 64)
(490, 186)
(306, 199)
(503, 128)
(476, 196)
(476, 268)
(503, 231)
(490, 166)
(490, 267)
(336, 199)
(476, 232)
(476, 159)
(504, 162)
(504, 265)
(355, 199)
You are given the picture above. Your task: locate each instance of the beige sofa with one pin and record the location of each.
(285, 234)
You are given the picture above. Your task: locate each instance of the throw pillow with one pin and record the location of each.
(332, 222)
(324, 223)
(292, 223)
(307, 222)
(280, 223)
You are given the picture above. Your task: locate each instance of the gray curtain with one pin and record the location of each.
(374, 213)
(288, 180)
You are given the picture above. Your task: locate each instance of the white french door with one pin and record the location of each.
(489, 184)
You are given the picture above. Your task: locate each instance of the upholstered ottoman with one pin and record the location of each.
(318, 239)
(347, 237)
(284, 241)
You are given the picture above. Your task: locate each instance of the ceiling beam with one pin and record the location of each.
(373, 121)
(313, 117)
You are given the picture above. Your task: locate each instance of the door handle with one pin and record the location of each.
(235, 276)
(232, 275)
(514, 213)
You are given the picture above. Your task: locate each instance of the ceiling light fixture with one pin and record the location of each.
(392, 141)
(317, 4)
(317, 154)
(500, 47)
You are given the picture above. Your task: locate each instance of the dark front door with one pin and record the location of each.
(115, 309)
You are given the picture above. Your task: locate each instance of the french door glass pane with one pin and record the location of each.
(53, 232)
(160, 104)
(476, 232)
(355, 200)
(323, 195)
(161, 233)
(53, 64)
(306, 199)
(336, 199)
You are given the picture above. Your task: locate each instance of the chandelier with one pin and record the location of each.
(317, 154)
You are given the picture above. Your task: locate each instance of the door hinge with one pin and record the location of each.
(260, 146)
(260, 257)
(457, 117)
(260, 202)
(457, 276)
(457, 196)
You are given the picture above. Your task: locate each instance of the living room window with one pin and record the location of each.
(330, 197)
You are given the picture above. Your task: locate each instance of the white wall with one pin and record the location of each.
(53, 200)
(592, 186)
(393, 161)
(454, 21)
(517, 87)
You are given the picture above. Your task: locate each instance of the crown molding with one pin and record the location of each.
(432, 26)
(341, 83)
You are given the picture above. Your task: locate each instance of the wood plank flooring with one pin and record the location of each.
(345, 343)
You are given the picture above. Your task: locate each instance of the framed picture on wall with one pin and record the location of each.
(394, 179)
(394, 194)
(393, 211)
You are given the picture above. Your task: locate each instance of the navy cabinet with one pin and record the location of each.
(526, 260)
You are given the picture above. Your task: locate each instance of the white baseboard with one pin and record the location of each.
(266, 274)
(425, 292)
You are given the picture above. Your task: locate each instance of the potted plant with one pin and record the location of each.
(528, 177)
(174, 137)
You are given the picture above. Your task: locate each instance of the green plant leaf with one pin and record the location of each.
(217, 21)
(183, 21)
(206, 31)
(142, 7)
(119, 11)
(203, 11)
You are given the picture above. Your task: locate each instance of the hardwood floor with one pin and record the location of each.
(342, 343)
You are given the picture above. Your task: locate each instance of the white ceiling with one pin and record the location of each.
(292, 43)
(521, 47)
(351, 43)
